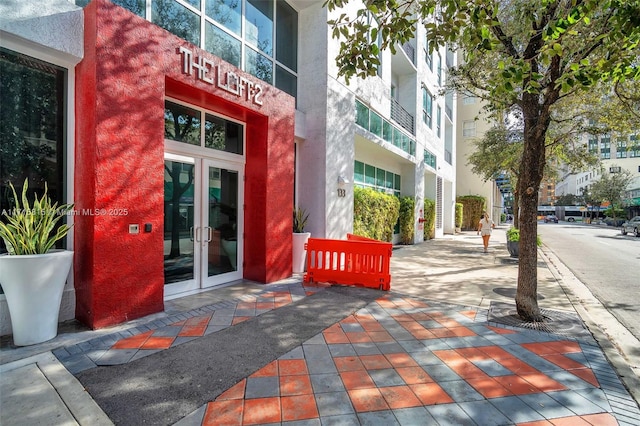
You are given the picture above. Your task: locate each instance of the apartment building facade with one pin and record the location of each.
(615, 155)
(185, 131)
(472, 124)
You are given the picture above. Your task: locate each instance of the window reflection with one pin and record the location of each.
(194, 3)
(223, 45)
(176, 19)
(287, 36)
(227, 13)
(223, 135)
(31, 128)
(259, 25)
(258, 65)
(181, 123)
(286, 81)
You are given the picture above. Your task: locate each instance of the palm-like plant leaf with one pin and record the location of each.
(31, 229)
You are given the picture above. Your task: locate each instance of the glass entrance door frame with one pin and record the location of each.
(207, 240)
(203, 234)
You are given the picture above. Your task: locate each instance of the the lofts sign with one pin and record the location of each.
(214, 74)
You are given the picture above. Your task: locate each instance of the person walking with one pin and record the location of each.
(484, 228)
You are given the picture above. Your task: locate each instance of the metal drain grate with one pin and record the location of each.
(556, 322)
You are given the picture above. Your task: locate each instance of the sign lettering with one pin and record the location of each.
(211, 73)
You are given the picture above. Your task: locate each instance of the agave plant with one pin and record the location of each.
(31, 229)
(299, 220)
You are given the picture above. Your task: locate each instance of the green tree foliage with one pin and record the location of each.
(518, 54)
(374, 214)
(569, 200)
(611, 187)
(407, 207)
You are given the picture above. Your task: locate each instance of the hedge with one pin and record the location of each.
(473, 206)
(407, 219)
(375, 214)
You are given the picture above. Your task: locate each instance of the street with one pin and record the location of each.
(605, 261)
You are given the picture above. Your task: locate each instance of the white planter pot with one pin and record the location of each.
(299, 253)
(33, 285)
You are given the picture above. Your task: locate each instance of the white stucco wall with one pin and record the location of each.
(49, 24)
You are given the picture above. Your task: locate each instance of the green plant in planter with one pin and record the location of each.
(459, 215)
(300, 217)
(31, 229)
(513, 235)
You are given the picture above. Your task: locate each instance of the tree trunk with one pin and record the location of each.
(531, 173)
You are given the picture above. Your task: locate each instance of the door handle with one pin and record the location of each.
(196, 234)
(210, 234)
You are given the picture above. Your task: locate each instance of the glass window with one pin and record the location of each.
(375, 124)
(380, 174)
(388, 183)
(176, 19)
(223, 135)
(469, 129)
(438, 120)
(387, 131)
(181, 123)
(397, 181)
(286, 36)
(286, 81)
(427, 106)
(362, 115)
(136, 6)
(397, 138)
(258, 65)
(222, 44)
(227, 13)
(358, 172)
(469, 100)
(31, 127)
(427, 55)
(259, 25)
(194, 3)
(369, 174)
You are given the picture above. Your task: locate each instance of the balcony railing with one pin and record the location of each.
(402, 117)
(382, 128)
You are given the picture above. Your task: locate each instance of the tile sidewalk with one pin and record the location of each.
(421, 354)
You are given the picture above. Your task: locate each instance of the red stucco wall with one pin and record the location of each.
(128, 67)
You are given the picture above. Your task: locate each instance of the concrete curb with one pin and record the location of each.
(614, 339)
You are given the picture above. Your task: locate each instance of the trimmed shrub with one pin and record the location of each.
(407, 212)
(473, 205)
(459, 214)
(429, 219)
(374, 214)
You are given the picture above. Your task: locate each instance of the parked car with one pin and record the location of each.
(609, 221)
(551, 218)
(632, 225)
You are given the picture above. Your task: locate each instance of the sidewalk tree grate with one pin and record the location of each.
(556, 322)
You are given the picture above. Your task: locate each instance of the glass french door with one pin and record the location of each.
(202, 223)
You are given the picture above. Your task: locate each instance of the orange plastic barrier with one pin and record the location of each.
(356, 261)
